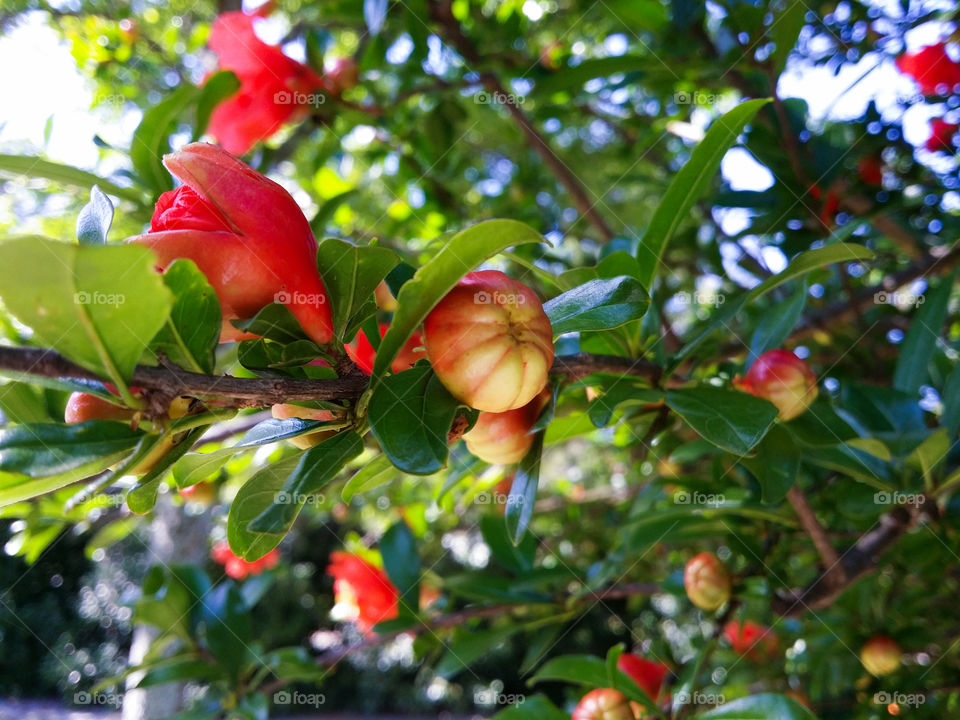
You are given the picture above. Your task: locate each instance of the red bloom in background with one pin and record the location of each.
(870, 170)
(364, 590)
(941, 136)
(245, 233)
(274, 88)
(363, 354)
(931, 68)
(238, 568)
(649, 675)
(750, 639)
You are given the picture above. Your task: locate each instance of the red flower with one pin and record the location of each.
(274, 89)
(363, 354)
(649, 675)
(364, 590)
(754, 641)
(238, 568)
(245, 233)
(941, 136)
(931, 68)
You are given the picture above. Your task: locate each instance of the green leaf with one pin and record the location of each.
(150, 139)
(226, 627)
(597, 305)
(98, 306)
(730, 419)
(274, 322)
(351, 274)
(410, 415)
(430, 283)
(602, 409)
(518, 559)
(759, 707)
(950, 418)
(918, 346)
(777, 323)
(690, 184)
(172, 445)
(785, 30)
(256, 495)
(398, 548)
(317, 467)
(532, 708)
(14, 489)
(811, 260)
(179, 671)
(40, 450)
(195, 467)
(577, 669)
(523, 491)
(191, 333)
(95, 218)
(64, 174)
(467, 647)
(375, 473)
(776, 464)
(573, 77)
(23, 403)
(216, 88)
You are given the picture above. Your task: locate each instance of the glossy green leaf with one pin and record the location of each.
(255, 496)
(920, 342)
(191, 333)
(759, 707)
(64, 174)
(375, 473)
(226, 627)
(274, 322)
(777, 323)
(95, 218)
(317, 467)
(689, 185)
(597, 305)
(401, 561)
(216, 88)
(462, 253)
(733, 420)
(410, 415)
(98, 306)
(468, 646)
(40, 450)
(602, 409)
(523, 491)
(350, 275)
(577, 669)
(150, 139)
(776, 464)
(785, 30)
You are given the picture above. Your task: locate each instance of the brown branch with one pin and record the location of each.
(263, 392)
(451, 30)
(856, 562)
(834, 575)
